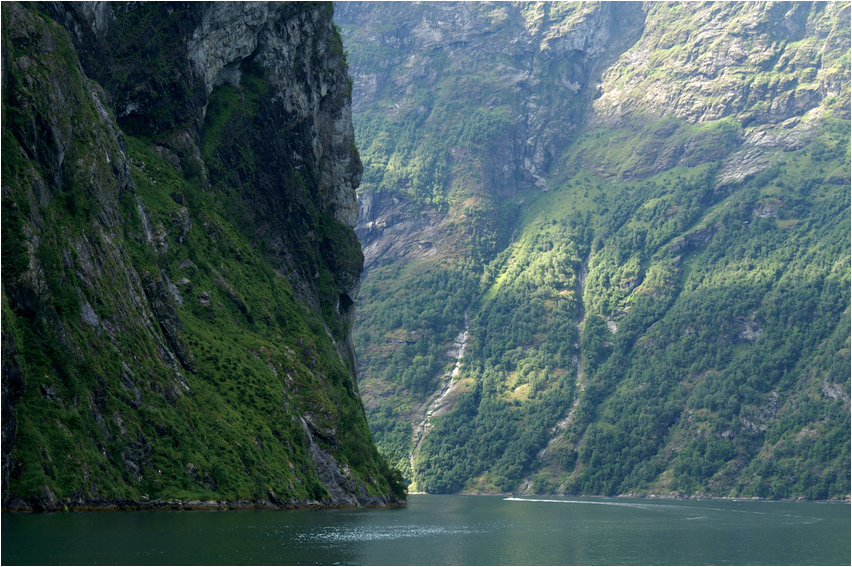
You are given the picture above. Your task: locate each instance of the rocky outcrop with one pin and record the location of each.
(164, 307)
(422, 50)
(429, 43)
(765, 67)
(654, 71)
(296, 52)
(389, 231)
(701, 84)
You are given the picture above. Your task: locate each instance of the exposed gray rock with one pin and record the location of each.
(336, 479)
(749, 330)
(88, 315)
(165, 310)
(388, 230)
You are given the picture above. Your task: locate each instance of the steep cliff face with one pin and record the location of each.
(495, 92)
(628, 203)
(179, 263)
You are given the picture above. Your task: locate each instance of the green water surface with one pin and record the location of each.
(446, 530)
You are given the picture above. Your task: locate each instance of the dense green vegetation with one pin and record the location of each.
(162, 353)
(667, 317)
(732, 312)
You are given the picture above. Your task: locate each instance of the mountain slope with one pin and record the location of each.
(178, 259)
(645, 239)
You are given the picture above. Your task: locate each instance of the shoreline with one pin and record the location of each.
(21, 506)
(846, 500)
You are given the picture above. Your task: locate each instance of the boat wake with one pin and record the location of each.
(658, 506)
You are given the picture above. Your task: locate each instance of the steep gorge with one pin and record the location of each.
(179, 264)
(689, 162)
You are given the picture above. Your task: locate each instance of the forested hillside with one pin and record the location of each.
(178, 259)
(607, 246)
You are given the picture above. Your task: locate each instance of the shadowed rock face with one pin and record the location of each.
(236, 119)
(389, 230)
(305, 119)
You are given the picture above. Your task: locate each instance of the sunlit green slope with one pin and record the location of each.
(644, 252)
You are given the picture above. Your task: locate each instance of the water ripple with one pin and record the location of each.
(342, 534)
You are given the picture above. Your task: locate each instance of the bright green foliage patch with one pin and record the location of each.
(726, 307)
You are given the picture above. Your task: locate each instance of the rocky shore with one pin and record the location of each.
(49, 504)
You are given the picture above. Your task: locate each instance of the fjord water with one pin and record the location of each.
(447, 530)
